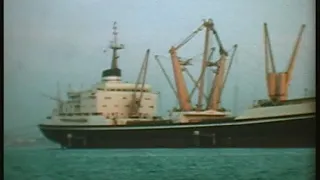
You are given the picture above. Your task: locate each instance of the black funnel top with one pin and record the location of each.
(111, 72)
(114, 70)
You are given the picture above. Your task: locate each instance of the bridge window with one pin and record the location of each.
(97, 113)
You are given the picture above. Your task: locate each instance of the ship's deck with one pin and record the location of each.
(165, 124)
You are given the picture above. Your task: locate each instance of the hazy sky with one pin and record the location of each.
(47, 41)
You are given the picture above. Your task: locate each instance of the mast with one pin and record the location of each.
(114, 46)
(209, 26)
(114, 72)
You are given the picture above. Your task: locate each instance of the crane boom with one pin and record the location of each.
(270, 69)
(186, 40)
(268, 51)
(218, 81)
(278, 82)
(202, 72)
(166, 75)
(181, 86)
(209, 25)
(235, 47)
(221, 49)
(182, 91)
(294, 54)
(194, 82)
(136, 101)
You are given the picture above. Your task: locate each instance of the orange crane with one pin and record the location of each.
(136, 100)
(182, 91)
(183, 64)
(218, 80)
(221, 75)
(278, 82)
(196, 83)
(179, 66)
(209, 26)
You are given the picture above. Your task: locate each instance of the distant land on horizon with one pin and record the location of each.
(25, 142)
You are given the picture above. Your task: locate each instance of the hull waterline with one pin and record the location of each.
(297, 132)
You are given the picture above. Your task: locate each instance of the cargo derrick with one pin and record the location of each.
(166, 76)
(213, 99)
(209, 26)
(136, 100)
(221, 75)
(196, 83)
(278, 82)
(216, 89)
(183, 64)
(182, 92)
(214, 96)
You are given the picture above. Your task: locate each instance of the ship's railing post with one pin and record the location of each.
(69, 136)
(196, 135)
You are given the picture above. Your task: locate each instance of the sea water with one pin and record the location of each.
(51, 163)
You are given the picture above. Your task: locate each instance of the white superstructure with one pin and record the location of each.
(298, 107)
(108, 102)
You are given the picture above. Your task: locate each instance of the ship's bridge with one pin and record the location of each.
(129, 87)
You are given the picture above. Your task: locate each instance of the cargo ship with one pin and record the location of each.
(115, 114)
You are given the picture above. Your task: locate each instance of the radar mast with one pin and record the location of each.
(115, 47)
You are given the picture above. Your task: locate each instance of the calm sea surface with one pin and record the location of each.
(24, 163)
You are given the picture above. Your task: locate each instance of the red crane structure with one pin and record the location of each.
(278, 82)
(181, 92)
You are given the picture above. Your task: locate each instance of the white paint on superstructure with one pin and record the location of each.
(112, 79)
(192, 116)
(278, 111)
(110, 100)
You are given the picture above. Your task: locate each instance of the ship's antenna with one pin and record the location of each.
(115, 46)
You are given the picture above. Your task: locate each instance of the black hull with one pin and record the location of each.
(294, 133)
